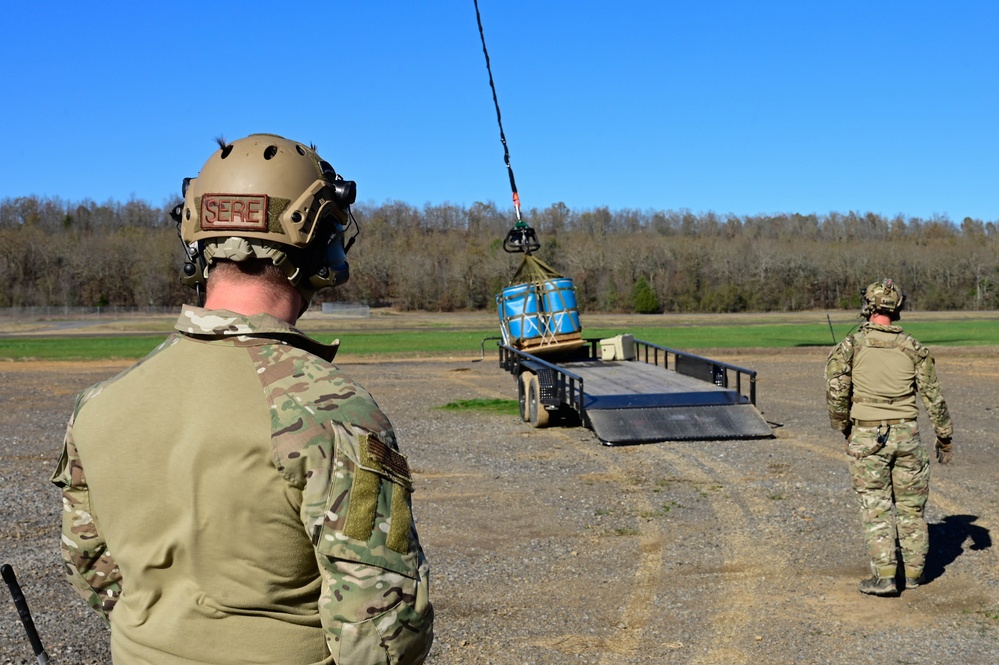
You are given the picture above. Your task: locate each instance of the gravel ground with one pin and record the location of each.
(547, 547)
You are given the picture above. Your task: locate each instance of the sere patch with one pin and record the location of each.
(234, 212)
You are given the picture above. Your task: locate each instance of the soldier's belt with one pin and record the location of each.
(881, 423)
(859, 399)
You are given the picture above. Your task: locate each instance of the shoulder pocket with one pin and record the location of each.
(368, 517)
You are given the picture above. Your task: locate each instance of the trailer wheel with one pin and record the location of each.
(537, 415)
(522, 381)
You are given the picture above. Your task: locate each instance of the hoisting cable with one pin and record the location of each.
(499, 118)
(521, 237)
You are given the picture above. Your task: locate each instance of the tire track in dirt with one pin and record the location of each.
(636, 612)
(758, 549)
(638, 608)
(741, 517)
(733, 627)
(733, 509)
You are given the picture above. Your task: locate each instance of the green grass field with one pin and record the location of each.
(440, 342)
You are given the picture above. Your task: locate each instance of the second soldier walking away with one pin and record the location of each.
(872, 379)
(233, 497)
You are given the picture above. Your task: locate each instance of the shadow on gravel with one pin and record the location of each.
(947, 539)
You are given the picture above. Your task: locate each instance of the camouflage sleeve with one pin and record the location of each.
(375, 602)
(839, 384)
(929, 389)
(333, 443)
(91, 569)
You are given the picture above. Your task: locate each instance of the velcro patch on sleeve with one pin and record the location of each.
(383, 472)
(363, 504)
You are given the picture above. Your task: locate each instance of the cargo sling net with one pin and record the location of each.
(539, 308)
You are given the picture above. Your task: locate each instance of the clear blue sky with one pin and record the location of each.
(731, 107)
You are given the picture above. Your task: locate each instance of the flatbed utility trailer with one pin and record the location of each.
(661, 394)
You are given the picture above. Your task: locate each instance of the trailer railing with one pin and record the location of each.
(719, 373)
(713, 371)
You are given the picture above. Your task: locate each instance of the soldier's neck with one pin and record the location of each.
(255, 300)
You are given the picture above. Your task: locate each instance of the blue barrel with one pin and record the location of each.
(518, 312)
(560, 306)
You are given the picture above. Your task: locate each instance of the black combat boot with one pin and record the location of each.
(879, 586)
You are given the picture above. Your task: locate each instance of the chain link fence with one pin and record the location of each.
(18, 314)
(111, 312)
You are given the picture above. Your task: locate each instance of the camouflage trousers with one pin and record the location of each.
(891, 475)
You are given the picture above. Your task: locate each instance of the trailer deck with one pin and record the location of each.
(661, 395)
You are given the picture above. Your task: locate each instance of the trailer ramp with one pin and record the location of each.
(635, 402)
(677, 423)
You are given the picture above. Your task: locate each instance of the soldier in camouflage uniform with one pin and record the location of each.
(234, 497)
(872, 378)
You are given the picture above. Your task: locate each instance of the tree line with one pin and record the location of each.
(449, 257)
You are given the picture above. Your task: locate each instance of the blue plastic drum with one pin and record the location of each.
(560, 305)
(518, 311)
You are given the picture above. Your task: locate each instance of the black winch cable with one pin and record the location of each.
(499, 118)
(521, 238)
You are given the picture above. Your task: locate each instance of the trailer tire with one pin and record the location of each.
(537, 414)
(522, 382)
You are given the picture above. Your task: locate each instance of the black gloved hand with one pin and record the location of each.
(945, 450)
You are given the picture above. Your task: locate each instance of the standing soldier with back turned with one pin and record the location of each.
(234, 498)
(872, 378)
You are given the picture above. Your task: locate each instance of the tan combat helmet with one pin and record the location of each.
(882, 297)
(267, 197)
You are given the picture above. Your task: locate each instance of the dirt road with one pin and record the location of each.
(547, 547)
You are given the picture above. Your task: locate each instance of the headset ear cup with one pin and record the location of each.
(193, 272)
(192, 275)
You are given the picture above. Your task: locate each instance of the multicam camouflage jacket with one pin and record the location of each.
(875, 374)
(349, 488)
